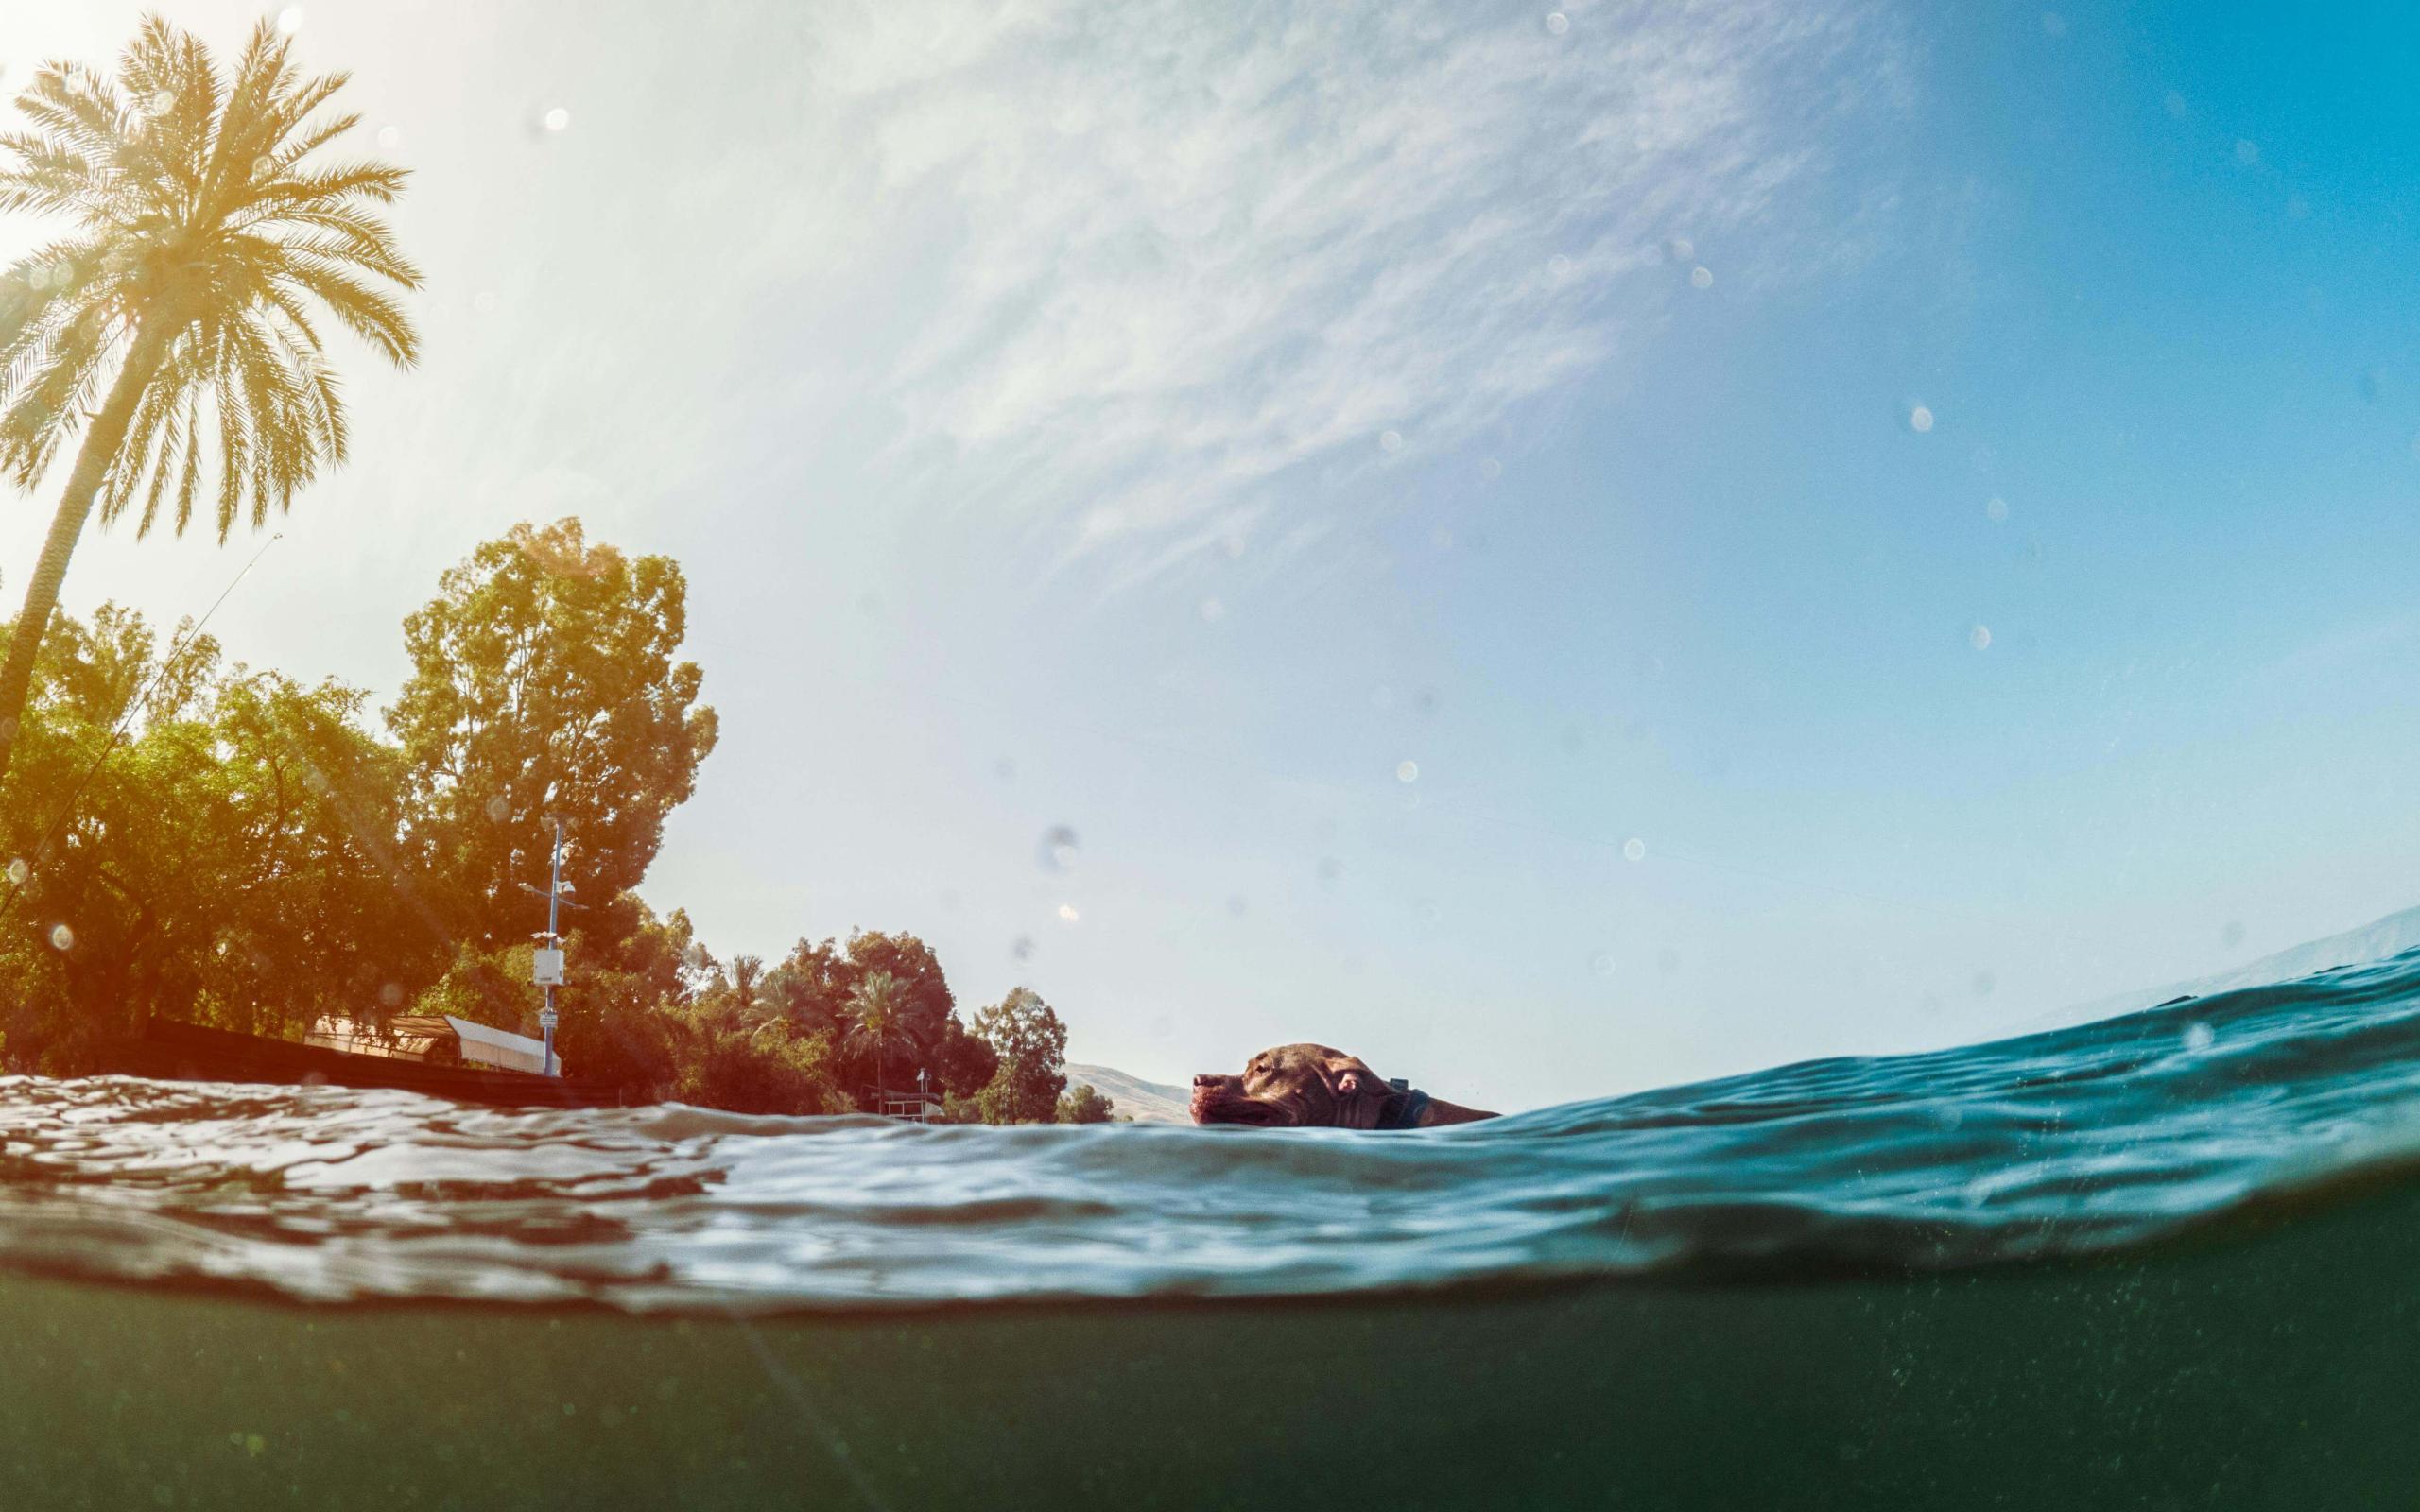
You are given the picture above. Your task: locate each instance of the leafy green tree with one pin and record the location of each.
(812, 986)
(879, 1024)
(1031, 1045)
(176, 322)
(545, 684)
(755, 1069)
(198, 841)
(1083, 1105)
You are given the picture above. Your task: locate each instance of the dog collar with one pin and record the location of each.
(1403, 1110)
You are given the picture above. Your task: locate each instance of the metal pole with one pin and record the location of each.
(554, 941)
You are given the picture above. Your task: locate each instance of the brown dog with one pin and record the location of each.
(1313, 1086)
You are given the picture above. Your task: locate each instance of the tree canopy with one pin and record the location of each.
(546, 682)
(189, 838)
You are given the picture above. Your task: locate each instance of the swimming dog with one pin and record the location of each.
(1314, 1087)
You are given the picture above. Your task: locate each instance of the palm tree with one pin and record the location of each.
(205, 240)
(879, 1008)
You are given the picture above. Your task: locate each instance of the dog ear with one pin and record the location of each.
(1350, 1077)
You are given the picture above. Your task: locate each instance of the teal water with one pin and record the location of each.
(2163, 1262)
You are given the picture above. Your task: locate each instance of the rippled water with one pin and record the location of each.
(2085, 1141)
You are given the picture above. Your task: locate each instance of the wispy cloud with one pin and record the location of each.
(1178, 253)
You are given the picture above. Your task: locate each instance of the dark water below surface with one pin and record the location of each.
(2166, 1260)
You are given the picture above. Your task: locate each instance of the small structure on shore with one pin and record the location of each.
(437, 1040)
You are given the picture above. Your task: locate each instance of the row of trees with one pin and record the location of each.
(192, 837)
(200, 839)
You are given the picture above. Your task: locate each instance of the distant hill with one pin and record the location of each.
(2374, 941)
(1144, 1102)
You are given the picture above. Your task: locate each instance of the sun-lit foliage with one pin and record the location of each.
(196, 839)
(176, 325)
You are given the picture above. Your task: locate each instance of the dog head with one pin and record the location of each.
(1295, 1086)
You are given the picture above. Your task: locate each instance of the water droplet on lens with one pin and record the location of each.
(1559, 267)
(163, 102)
(1391, 441)
(1557, 23)
(1067, 914)
(18, 871)
(1407, 771)
(497, 809)
(1995, 510)
(1980, 637)
(1920, 420)
(390, 138)
(1490, 470)
(392, 994)
(1701, 278)
(61, 937)
(1059, 848)
(289, 20)
(2198, 1037)
(1237, 903)
(1601, 963)
(1633, 848)
(558, 119)
(1022, 947)
(1213, 612)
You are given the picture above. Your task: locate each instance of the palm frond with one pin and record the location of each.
(216, 241)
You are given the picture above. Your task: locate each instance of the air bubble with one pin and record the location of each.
(61, 937)
(1391, 441)
(1701, 276)
(1633, 848)
(1557, 23)
(1920, 420)
(1407, 771)
(558, 119)
(289, 20)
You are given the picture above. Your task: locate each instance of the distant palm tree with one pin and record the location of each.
(204, 243)
(878, 1010)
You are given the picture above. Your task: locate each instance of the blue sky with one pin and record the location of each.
(1168, 422)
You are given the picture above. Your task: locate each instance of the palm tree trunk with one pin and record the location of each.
(93, 461)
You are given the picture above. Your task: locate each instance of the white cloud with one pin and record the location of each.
(1173, 251)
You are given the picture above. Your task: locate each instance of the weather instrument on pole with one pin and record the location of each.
(546, 961)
